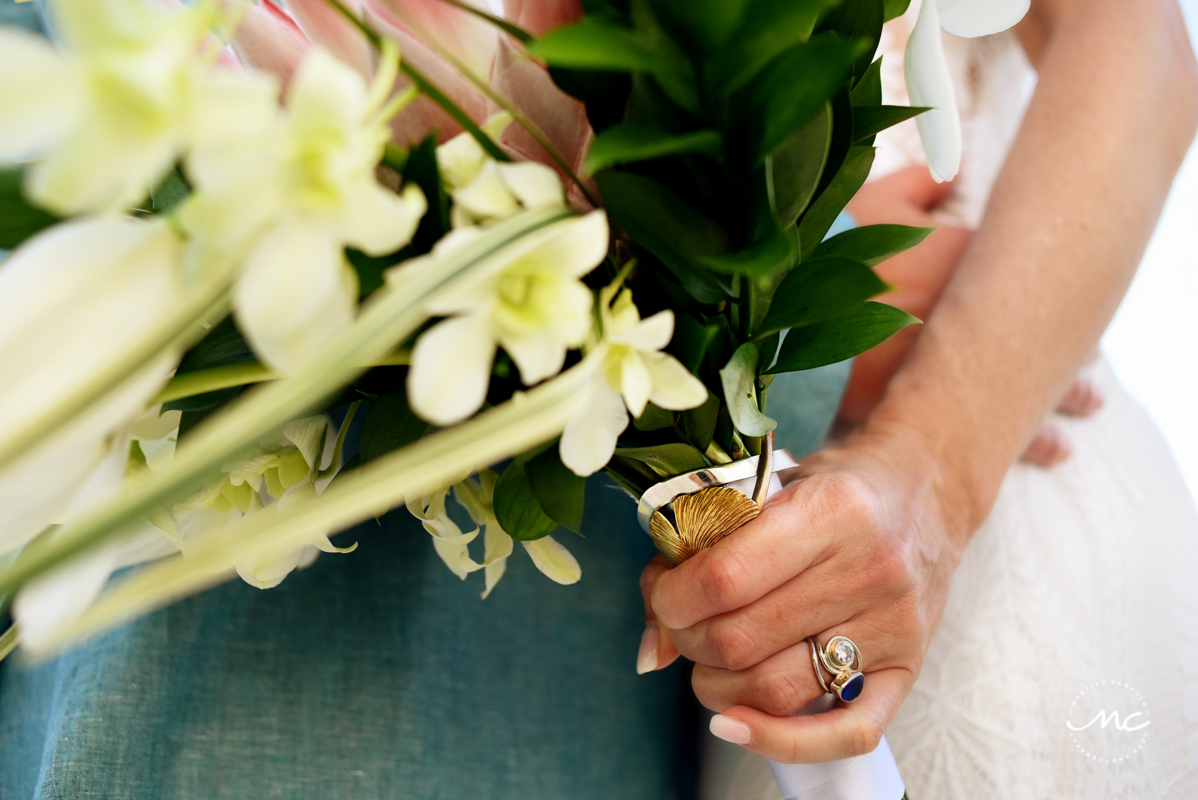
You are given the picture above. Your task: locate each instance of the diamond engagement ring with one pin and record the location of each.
(842, 659)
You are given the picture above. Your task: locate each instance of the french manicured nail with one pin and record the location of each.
(646, 657)
(730, 730)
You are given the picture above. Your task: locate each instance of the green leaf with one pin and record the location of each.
(691, 340)
(666, 459)
(819, 290)
(739, 379)
(793, 170)
(777, 251)
(869, 120)
(18, 219)
(654, 419)
(389, 425)
(517, 508)
(831, 202)
(871, 244)
(560, 492)
(794, 88)
(370, 270)
(697, 425)
(868, 91)
(669, 228)
(601, 45)
(702, 27)
(170, 192)
(857, 20)
(895, 8)
(835, 340)
(639, 141)
(768, 29)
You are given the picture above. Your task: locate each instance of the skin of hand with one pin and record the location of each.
(910, 197)
(864, 540)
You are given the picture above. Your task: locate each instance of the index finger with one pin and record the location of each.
(748, 564)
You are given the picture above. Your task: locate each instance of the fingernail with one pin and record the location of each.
(646, 656)
(730, 730)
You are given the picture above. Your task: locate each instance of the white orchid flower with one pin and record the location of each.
(548, 555)
(632, 373)
(73, 301)
(484, 189)
(450, 542)
(293, 196)
(109, 115)
(529, 300)
(928, 81)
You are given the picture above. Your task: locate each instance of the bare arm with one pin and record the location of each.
(865, 541)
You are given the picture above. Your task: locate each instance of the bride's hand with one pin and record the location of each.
(919, 275)
(861, 543)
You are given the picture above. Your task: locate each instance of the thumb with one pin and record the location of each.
(657, 648)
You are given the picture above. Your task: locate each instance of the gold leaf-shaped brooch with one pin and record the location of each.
(703, 518)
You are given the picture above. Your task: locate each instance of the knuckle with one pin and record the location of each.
(863, 736)
(732, 646)
(779, 694)
(724, 579)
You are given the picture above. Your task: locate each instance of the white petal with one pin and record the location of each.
(270, 570)
(451, 369)
(230, 107)
(488, 195)
(308, 434)
(378, 221)
(972, 18)
(61, 595)
(293, 296)
(497, 544)
(326, 93)
(650, 334)
(41, 95)
(635, 383)
(674, 388)
(554, 560)
(575, 246)
(538, 356)
(534, 185)
(929, 84)
(589, 438)
(491, 575)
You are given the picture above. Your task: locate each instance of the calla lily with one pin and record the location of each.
(74, 300)
(530, 301)
(325, 27)
(633, 373)
(294, 196)
(928, 81)
(105, 118)
(266, 38)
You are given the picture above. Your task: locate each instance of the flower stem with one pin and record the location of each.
(9, 640)
(227, 376)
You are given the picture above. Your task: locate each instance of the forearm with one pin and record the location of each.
(1068, 221)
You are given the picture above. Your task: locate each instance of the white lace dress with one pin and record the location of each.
(1075, 602)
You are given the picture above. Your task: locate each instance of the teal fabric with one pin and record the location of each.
(378, 674)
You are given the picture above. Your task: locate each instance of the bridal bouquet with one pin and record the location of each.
(572, 237)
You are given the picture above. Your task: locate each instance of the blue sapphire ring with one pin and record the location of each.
(840, 658)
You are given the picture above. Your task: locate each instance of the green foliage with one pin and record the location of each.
(869, 120)
(739, 378)
(871, 244)
(171, 191)
(600, 44)
(633, 141)
(821, 289)
(516, 507)
(560, 493)
(18, 218)
(666, 459)
(389, 425)
(840, 338)
(827, 206)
